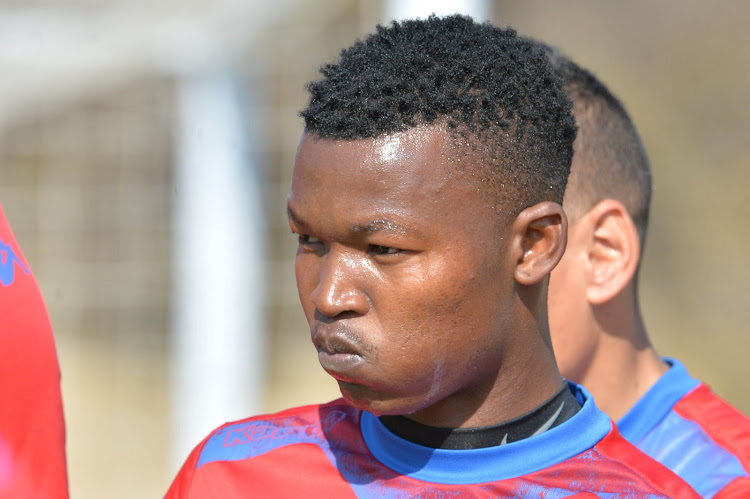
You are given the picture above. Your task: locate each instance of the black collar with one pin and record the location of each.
(558, 409)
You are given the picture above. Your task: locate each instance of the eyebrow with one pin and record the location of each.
(383, 224)
(379, 225)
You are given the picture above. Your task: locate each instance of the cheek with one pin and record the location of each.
(440, 304)
(558, 312)
(445, 318)
(418, 321)
(306, 274)
(569, 331)
(561, 321)
(573, 351)
(562, 295)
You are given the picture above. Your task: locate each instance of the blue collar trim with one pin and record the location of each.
(572, 437)
(657, 402)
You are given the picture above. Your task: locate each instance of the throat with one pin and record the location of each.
(555, 411)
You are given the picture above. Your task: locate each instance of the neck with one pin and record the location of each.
(625, 364)
(555, 411)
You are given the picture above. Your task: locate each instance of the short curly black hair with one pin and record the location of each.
(478, 80)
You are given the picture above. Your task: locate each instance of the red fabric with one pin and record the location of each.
(726, 426)
(32, 429)
(293, 463)
(181, 484)
(276, 475)
(615, 447)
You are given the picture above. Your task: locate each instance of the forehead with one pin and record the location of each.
(402, 170)
(408, 180)
(414, 152)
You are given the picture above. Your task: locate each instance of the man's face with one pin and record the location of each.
(402, 271)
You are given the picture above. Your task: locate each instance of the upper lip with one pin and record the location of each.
(335, 341)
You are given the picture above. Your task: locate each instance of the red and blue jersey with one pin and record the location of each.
(681, 423)
(338, 451)
(32, 430)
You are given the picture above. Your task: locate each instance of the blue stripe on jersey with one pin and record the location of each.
(682, 446)
(228, 443)
(572, 437)
(679, 444)
(657, 402)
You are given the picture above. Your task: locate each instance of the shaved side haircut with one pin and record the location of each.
(609, 161)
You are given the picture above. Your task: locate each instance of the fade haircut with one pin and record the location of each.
(494, 92)
(609, 161)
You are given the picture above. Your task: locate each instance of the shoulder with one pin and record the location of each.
(255, 436)
(718, 418)
(627, 460)
(617, 465)
(728, 432)
(35, 427)
(698, 427)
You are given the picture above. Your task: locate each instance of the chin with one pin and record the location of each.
(375, 402)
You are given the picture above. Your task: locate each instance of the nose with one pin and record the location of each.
(339, 288)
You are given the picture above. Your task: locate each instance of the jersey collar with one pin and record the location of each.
(572, 437)
(657, 401)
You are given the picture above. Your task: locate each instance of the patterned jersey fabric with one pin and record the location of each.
(682, 424)
(32, 430)
(335, 450)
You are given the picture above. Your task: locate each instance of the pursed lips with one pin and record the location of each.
(338, 352)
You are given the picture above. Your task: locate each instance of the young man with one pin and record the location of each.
(597, 330)
(425, 198)
(32, 430)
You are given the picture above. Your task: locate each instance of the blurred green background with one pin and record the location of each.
(87, 182)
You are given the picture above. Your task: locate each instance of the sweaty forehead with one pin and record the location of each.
(384, 167)
(401, 181)
(407, 150)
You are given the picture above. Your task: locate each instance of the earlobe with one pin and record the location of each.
(614, 252)
(540, 235)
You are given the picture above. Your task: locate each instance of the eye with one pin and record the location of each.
(308, 239)
(383, 250)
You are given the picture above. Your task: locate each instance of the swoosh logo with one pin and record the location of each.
(546, 426)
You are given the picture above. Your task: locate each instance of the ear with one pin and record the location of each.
(614, 250)
(539, 234)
